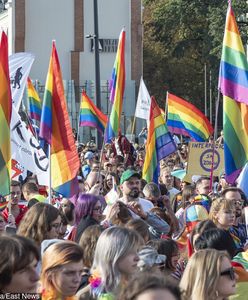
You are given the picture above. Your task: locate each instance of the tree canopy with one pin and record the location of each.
(180, 37)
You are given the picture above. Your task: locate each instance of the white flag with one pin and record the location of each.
(19, 68)
(242, 180)
(143, 102)
(26, 150)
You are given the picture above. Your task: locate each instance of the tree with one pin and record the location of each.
(179, 38)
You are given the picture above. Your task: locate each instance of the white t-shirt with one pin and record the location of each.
(145, 204)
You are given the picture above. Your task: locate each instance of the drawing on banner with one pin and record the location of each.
(206, 160)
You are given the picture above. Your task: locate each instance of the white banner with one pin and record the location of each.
(19, 68)
(26, 150)
(143, 102)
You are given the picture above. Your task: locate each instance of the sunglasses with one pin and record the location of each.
(229, 272)
(98, 208)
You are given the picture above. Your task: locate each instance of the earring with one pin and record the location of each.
(217, 294)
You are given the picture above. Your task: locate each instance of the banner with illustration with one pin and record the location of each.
(19, 68)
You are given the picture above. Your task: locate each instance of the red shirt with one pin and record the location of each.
(18, 219)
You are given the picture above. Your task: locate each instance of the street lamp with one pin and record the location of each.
(95, 37)
(97, 69)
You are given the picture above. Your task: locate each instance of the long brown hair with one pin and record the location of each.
(36, 223)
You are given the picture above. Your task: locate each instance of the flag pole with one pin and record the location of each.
(101, 155)
(78, 140)
(205, 89)
(214, 141)
(50, 176)
(166, 107)
(134, 120)
(210, 97)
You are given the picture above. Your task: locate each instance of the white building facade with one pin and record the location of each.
(31, 26)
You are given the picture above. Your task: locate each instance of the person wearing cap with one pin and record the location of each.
(87, 163)
(150, 260)
(129, 185)
(88, 157)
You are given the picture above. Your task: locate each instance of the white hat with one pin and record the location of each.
(88, 155)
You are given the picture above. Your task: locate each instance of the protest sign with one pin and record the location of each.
(200, 159)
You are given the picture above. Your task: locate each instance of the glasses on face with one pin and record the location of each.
(229, 272)
(99, 208)
(239, 202)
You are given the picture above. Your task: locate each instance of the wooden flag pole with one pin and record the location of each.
(132, 132)
(214, 141)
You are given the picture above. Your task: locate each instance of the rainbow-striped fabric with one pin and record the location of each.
(184, 118)
(5, 117)
(159, 144)
(34, 102)
(55, 128)
(242, 258)
(117, 85)
(194, 214)
(90, 115)
(233, 84)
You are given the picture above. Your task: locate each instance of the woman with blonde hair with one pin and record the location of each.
(62, 266)
(209, 275)
(115, 261)
(222, 213)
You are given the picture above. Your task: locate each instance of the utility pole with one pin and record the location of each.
(97, 69)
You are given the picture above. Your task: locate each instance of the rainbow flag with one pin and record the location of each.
(184, 118)
(5, 117)
(90, 115)
(242, 258)
(159, 144)
(55, 128)
(117, 86)
(233, 84)
(33, 101)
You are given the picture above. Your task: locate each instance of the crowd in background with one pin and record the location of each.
(124, 238)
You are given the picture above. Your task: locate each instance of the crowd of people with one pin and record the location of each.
(122, 238)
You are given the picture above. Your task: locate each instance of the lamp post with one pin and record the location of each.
(97, 69)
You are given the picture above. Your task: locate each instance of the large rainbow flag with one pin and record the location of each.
(5, 117)
(159, 144)
(184, 118)
(117, 84)
(34, 102)
(90, 115)
(55, 128)
(233, 84)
